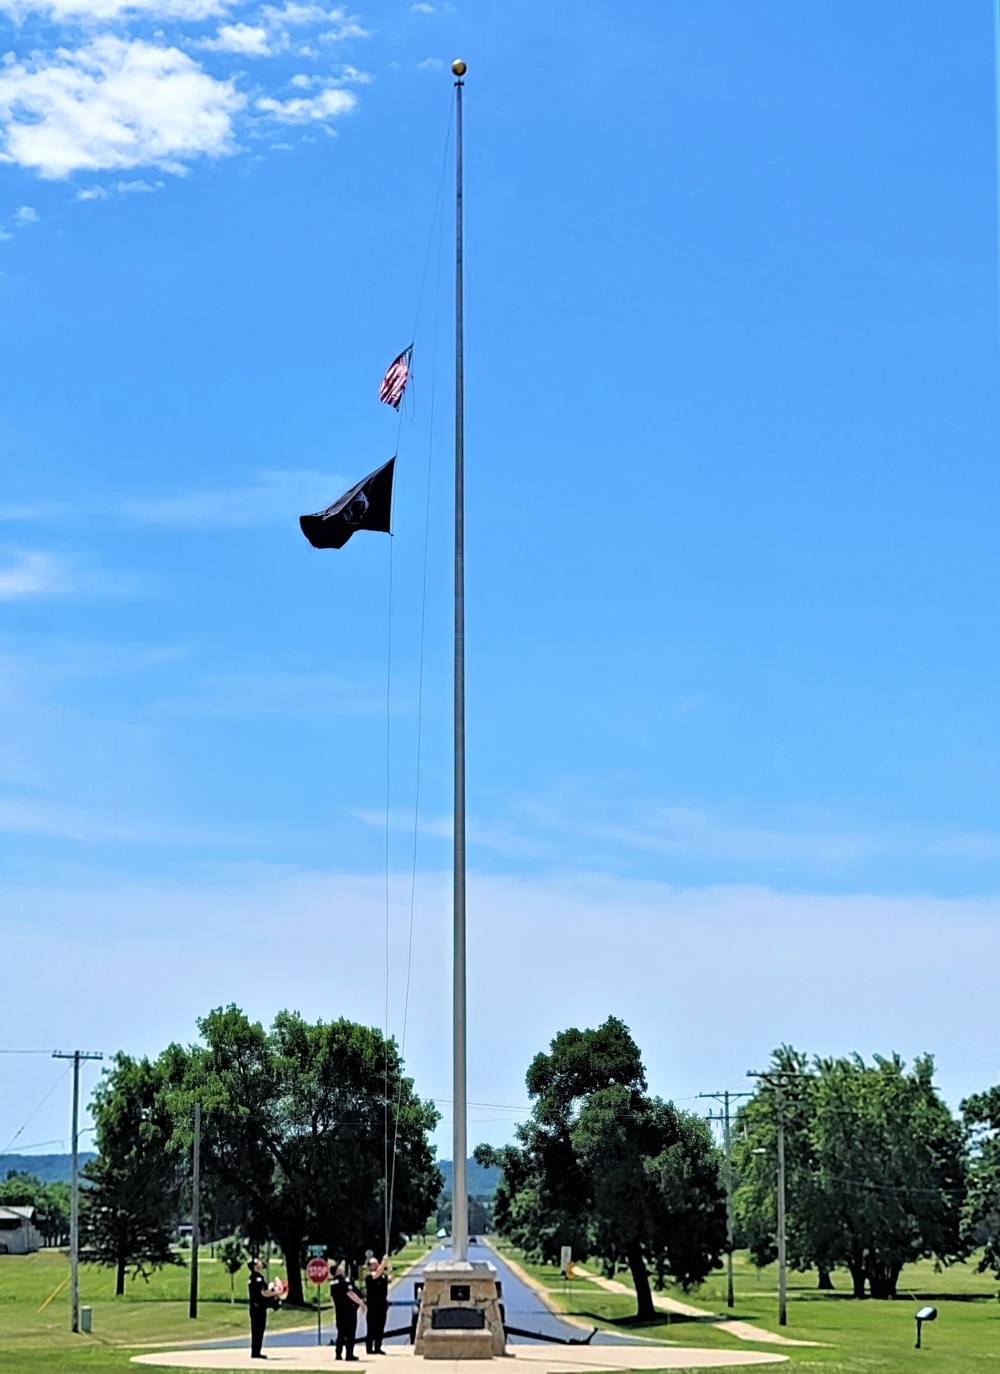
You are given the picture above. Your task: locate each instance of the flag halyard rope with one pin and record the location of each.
(389, 1157)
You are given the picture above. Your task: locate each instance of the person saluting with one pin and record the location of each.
(377, 1299)
(347, 1303)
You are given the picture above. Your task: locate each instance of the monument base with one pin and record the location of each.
(460, 1315)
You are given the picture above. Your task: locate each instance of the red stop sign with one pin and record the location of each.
(317, 1271)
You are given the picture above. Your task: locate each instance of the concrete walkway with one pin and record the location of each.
(744, 1331)
(532, 1359)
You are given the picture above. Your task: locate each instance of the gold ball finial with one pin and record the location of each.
(458, 67)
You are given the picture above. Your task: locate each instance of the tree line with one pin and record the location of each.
(312, 1135)
(50, 1200)
(879, 1172)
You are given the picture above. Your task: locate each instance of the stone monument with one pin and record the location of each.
(460, 1316)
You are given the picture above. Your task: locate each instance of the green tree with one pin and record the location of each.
(300, 1122)
(134, 1195)
(982, 1213)
(875, 1169)
(231, 1254)
(609, 1170)
(50, 1200)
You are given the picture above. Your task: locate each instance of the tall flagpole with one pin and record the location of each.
(459, 1190)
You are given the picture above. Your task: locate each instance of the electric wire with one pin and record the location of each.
(41, 1104)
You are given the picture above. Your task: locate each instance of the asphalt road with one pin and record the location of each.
(522, 1307)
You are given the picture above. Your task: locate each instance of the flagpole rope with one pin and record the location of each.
(388, 798)
(434, 237)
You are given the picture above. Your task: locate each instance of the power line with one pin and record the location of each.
(30, 1119)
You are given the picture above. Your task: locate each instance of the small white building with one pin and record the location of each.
(18, 1233)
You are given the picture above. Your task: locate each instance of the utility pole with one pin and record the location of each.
(779, 1079)
(725, 1098)
(195, 1210)
(77, 1057)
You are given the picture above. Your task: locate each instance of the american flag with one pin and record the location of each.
(394, 381)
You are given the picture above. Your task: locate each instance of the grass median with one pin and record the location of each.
(35, 1338)
(858, 1337)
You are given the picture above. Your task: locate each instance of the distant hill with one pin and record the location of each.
(48, 1168)
(482, 1182)
(56, 1169)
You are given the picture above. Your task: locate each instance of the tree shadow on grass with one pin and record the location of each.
(634, 1323)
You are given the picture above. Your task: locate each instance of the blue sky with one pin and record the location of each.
(732, 380)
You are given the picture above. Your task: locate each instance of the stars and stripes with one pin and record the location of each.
(394, 381)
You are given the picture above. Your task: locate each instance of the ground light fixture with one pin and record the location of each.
(926, 1314)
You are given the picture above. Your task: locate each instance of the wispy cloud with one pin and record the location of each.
(233, 696)
(274, 496)
(567, 826)
(430, 64)
(32, 573)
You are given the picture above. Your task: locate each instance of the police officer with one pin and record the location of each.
(377, 1299)
(260, 1301)
(347, 1302)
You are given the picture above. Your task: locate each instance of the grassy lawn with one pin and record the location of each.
(860, 1337)
(150, 1314)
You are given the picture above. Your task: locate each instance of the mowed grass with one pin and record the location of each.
(150, 1314)
(858, 1337)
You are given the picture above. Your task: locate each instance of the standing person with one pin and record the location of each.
(347, 1302)
(377, 1299)
(260, 1301)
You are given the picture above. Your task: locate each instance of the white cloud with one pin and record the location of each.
(274, 496)
(84, 11)
(26, 214)
(249, 40)
(92, 193)
(293, 14)
(430, 64)
(235, 696)
(32, 573)
(422, 8)
(328, 104)
(131, 188)
(827, 974)
(114, 103)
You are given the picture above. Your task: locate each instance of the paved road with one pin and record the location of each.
(522, 1307)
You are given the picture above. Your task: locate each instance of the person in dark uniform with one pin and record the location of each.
(260, 1300)
(377, 1300)
(347, 1302)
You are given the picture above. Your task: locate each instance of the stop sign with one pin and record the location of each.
(317, 1271)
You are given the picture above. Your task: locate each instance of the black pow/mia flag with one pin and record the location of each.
(368, 506)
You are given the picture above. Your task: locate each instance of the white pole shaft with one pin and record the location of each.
(459, 1203)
